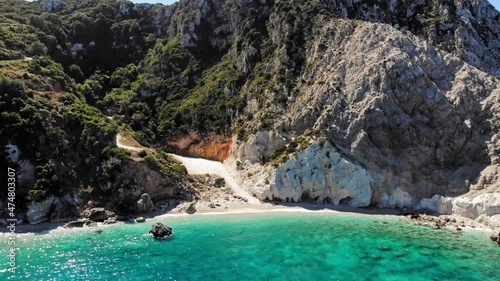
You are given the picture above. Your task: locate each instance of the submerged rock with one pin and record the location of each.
(495, 236)
(140, 219)
(159, 230)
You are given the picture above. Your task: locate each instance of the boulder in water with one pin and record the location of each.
(140, 219)
(159, 230)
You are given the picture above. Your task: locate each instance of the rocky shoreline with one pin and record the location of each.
(447, 222)
(96, 217)
(216, 197)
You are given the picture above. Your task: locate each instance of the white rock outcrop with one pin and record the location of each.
(321, 174)
(396, 199)
(439, 204)
(317, 173)
(50, 5)
(484, 208)
(12, 153)
(485, 204)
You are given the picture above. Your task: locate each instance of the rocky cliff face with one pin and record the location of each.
(468, 29)
(386, 103)
(214, 147)
(418, 119)
(405, 94)
(419, 116)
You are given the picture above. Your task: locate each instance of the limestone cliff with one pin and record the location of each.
(418, 119)
(402, 96)
(364, 102)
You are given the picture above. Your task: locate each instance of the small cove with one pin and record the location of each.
(259, 246)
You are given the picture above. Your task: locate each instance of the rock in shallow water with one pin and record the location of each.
(110, 221)
(159, 230)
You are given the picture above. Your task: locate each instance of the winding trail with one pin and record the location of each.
(119, 143)
(198, 166)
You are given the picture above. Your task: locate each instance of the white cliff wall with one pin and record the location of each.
(317, 173)
(320, 174)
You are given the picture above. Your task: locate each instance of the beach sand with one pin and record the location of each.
(202, 208)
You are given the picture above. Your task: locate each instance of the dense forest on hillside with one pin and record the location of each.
(59, 72)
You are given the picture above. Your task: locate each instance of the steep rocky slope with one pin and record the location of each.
(415, 117)
(401, 99)
(387, 103)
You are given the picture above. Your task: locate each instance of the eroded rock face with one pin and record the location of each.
(55, 209)
(139, 178)
(213, 147)
(95, 214)
(12, 153)
(472, 26)
(320, 173)
(396, 199)
(145, 204)
(50, 5)
(484, 208)
(439, 204)
(413, 117)
(484, 204)
(64, 209)
(40, 211)
(191, 208)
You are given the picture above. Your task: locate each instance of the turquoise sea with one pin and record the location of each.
(258, 246)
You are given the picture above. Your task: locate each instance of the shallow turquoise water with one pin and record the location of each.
(277, 246)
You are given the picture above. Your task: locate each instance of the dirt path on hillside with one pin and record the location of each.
(124, 142)
(194, 166)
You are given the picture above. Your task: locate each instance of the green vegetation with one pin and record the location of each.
(220, 182)
(160, 162)
(211, 104)
(282, 154)
(116, 152)
(65, 72)
(46, 67)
